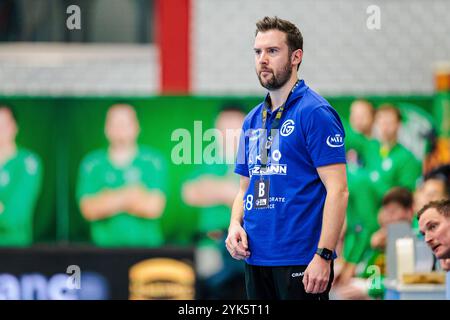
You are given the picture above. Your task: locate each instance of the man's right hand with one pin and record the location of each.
(236, 242)
(378, 239)
(445, 264)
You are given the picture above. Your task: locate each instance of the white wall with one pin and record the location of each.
(66, 70)
(341, 55)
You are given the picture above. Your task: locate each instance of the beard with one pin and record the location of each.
(278, 79)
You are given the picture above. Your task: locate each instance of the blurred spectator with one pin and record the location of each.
(121, 189)
(361, 217)
(362, 116)
(397, 206)
(361, 222)
(374, 167)
(213, 189)
(434, 222)
(435, 186)
(390, 164)
(438, 151)
(441, 173)
(20, 183)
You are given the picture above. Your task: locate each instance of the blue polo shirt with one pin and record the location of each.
(310, 135)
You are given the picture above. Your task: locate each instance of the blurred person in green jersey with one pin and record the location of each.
(361, 222)
(389, 163)
(121, 189)
(362, 116)
(212, 188)
(374, 167)
(20, 183)
(368, 283)
(361, 216)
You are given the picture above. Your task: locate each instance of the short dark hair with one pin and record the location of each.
(11, 110)
(392, 108)
(442, 174)
(294, 37)
(441, 206)
(399, 195)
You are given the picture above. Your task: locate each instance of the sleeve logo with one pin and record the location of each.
(335, 141)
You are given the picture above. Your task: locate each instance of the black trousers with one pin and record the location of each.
(280, 283)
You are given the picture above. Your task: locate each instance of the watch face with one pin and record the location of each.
(325, 253)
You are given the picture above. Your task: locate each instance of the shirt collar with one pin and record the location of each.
(297, 92)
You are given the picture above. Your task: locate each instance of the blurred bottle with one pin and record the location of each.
(405, 257)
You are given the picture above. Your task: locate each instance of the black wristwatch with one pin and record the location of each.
(325, 253)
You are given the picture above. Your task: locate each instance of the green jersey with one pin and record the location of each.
(391, 168)
(20, 182)
(362, 213)
(97, 173)
(355, 141)
(215, 218)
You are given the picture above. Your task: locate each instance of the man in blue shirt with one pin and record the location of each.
(289, 211)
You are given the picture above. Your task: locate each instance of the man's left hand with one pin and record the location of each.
(317, 275)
